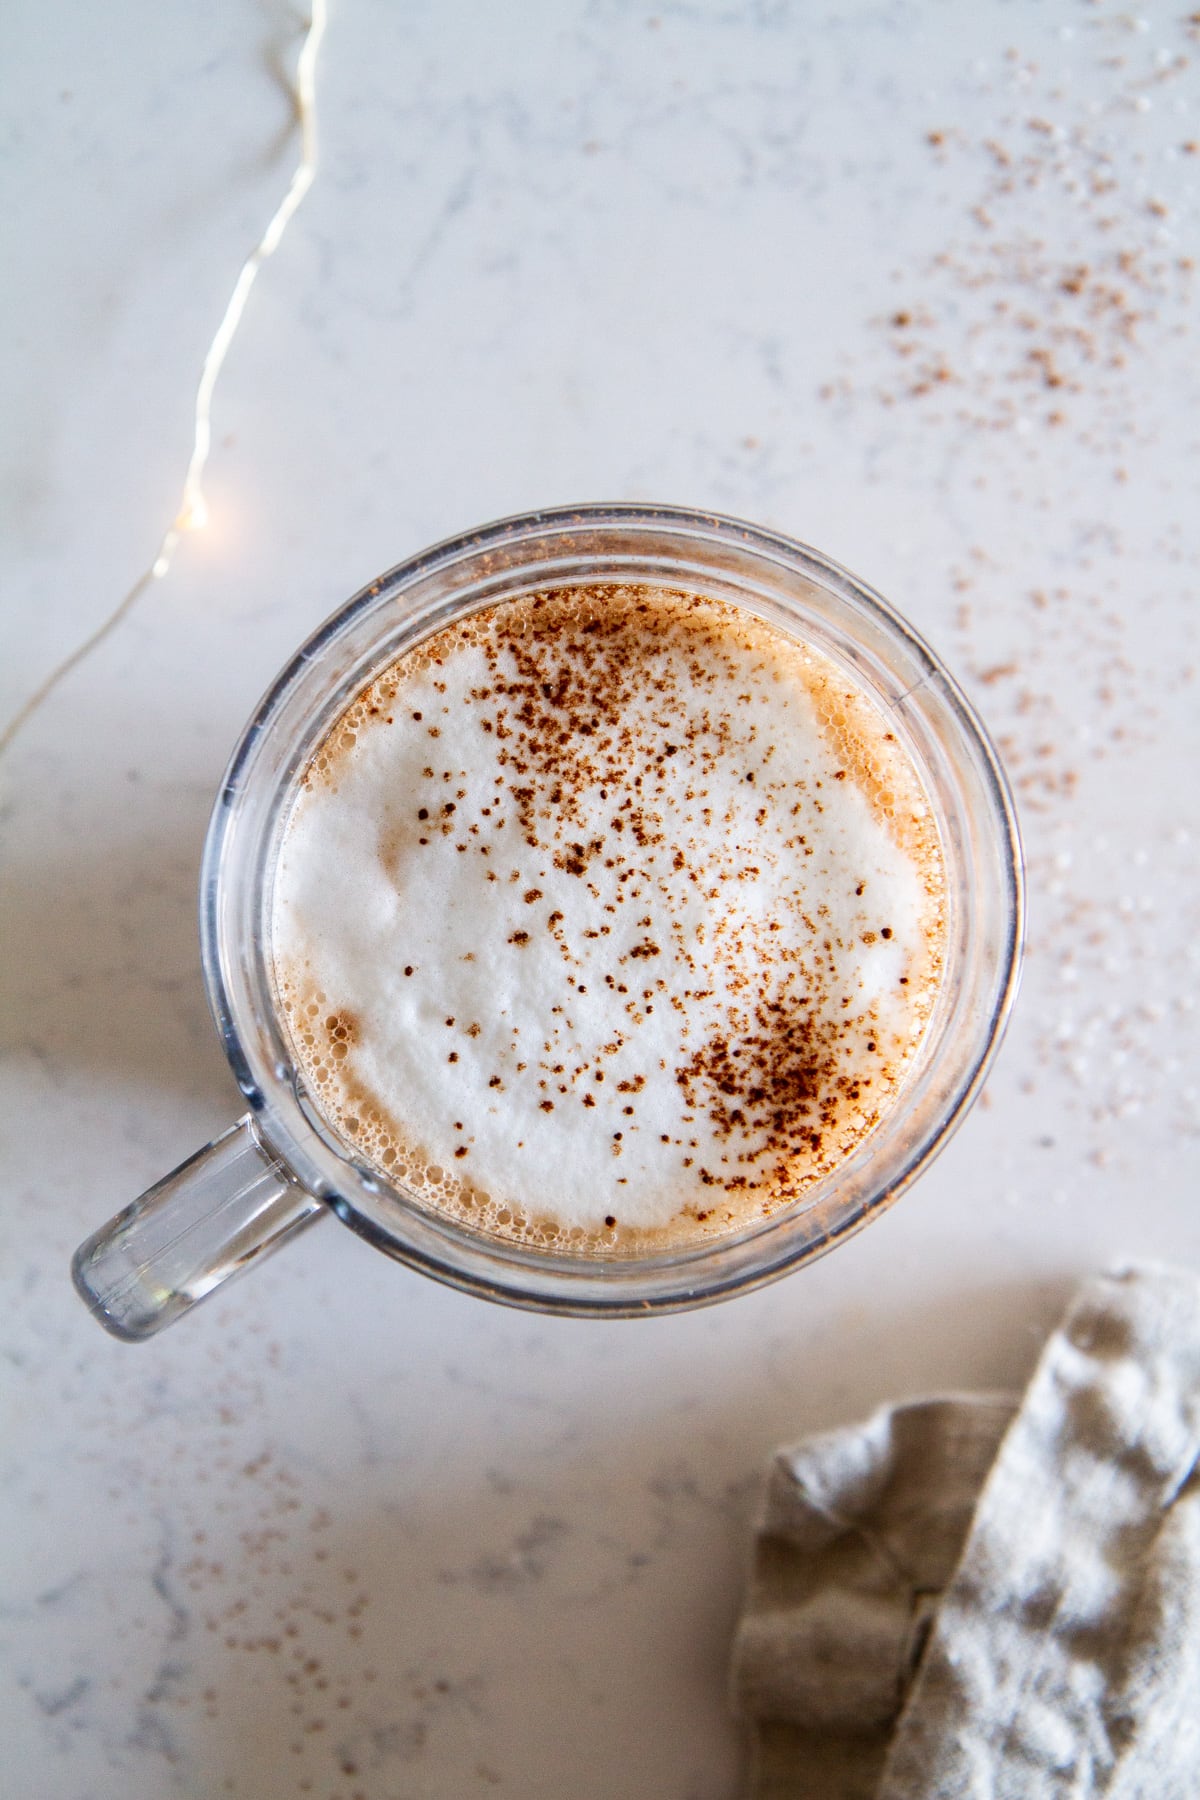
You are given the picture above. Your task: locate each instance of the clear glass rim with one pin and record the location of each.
(238, 847)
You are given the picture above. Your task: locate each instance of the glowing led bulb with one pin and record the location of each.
(193, 508)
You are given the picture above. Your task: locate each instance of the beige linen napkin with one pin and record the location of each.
(970, 1599)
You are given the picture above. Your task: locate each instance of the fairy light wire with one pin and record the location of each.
(192, 513)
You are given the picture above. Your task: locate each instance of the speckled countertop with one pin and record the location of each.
(913, 283)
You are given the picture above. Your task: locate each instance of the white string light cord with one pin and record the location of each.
(193, 510)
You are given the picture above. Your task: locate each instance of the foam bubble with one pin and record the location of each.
(608, 917)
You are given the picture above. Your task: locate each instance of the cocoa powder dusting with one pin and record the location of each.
(610, 781)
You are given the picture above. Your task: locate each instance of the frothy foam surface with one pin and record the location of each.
(608, 918)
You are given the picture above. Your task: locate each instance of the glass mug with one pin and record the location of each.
(281, 1167)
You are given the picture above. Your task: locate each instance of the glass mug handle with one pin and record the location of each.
(227, 1206)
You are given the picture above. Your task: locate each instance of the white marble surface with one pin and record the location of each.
(909, 282)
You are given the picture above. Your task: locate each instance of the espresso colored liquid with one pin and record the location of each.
(608, 919)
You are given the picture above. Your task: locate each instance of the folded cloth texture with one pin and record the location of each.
(975, 1598)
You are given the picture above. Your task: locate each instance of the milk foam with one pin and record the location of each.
(609, 917)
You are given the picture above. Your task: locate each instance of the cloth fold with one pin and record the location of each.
(970, 1596)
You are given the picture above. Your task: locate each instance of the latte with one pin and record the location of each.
(608, 919)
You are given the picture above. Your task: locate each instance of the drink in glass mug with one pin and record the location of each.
(605, 912)
(608, 917)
